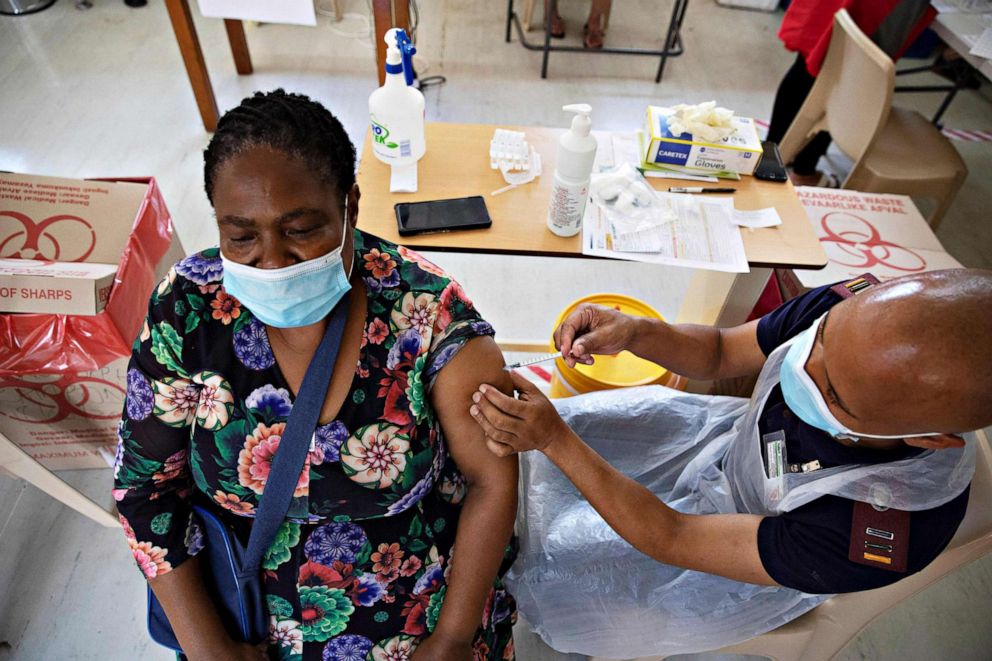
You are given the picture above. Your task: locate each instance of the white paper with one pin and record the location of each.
(296, 12)
(403, 178)
(756, 218)
(983, 45)
(655, 174)
(962, 6)
(701, 236)
(625, 149)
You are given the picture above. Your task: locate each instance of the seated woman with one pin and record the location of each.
(398, 480)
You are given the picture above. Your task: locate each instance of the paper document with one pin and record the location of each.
(756, 218)
(983, 45)
(701, 235)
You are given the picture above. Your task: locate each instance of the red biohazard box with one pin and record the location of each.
(66, 420)
(63, 375)
(881, 234)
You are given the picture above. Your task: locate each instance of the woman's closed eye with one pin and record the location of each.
(241, 239)
(301, 232)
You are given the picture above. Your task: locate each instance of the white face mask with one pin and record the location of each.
(293, 296)
(804, 398)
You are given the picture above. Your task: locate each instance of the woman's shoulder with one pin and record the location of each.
(191, 296)
(390, 265)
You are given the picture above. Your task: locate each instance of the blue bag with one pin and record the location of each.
(231, 570)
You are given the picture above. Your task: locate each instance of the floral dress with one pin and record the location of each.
(358, 570)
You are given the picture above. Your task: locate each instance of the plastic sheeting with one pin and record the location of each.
(56, 343)
(586, 590)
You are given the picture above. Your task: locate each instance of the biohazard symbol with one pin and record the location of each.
(62, 238)
(52, 398)
(849, 237)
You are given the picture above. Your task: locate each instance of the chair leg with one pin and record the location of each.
(528, 14)
(944, 203)
(19, 463)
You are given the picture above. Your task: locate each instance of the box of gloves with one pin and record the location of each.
(700, 137)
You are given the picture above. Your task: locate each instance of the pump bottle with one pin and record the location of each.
(573, 168)
(396, 109)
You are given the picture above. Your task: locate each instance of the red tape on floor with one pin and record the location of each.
(542, 373)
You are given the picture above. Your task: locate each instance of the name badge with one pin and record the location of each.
(776, 464)
(879, 538)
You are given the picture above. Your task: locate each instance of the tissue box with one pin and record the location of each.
(30, 285)
(739, 152)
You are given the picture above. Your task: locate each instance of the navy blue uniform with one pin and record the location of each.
(807, 548)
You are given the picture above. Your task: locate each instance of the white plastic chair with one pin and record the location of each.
(894, 150)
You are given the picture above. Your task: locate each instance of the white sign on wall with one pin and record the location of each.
(297, 12)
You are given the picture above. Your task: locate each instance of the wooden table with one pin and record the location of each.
(385, 15)
(457, 165)
(954, 28)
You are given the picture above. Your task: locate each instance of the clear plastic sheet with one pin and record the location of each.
(586, 590)
(57, 343)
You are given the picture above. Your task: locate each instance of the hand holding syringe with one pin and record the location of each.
(589, 329)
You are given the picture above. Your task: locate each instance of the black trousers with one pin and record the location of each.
(792, 91)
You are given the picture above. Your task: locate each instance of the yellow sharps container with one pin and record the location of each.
(620, 371)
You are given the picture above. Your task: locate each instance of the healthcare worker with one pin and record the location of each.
(846, 470)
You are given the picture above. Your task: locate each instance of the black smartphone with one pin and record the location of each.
(461, 213)
(771, 167)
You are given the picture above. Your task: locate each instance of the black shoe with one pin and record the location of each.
(135, 3)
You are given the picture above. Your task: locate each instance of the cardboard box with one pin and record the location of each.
(739, 152)
(30, 285)
(881, 234)
(64, 420)
(62, 375)
(126, 223)
(66, 220)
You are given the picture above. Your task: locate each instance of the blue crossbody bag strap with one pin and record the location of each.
(231, 571)
(295, 444)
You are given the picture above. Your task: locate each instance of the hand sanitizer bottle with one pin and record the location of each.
(573, 167)
(396, 109)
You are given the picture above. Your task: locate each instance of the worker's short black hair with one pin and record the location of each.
(294, 124)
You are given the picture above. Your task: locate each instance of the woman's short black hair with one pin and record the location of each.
(294, 124)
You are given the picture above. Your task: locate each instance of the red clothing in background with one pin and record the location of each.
(807, 25)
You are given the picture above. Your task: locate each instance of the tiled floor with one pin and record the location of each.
(104, 93)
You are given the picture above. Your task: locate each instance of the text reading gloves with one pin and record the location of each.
(297, 295)
(804, 398)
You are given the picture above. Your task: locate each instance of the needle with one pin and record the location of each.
(532, 361)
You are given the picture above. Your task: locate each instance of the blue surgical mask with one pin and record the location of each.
(293, 296)
(804, 398)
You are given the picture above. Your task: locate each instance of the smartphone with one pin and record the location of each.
(462, 213)
(771, 167)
